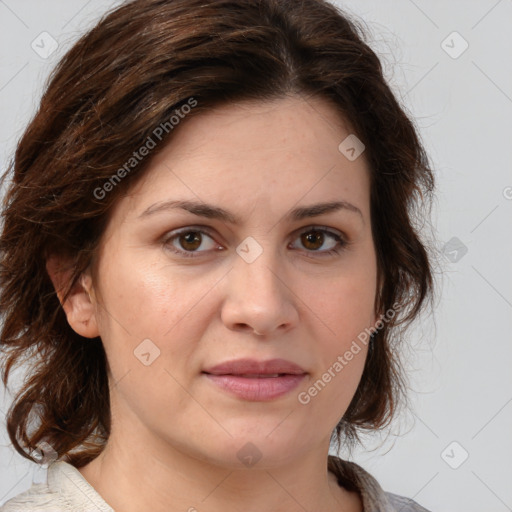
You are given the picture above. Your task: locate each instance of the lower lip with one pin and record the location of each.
(257, 389)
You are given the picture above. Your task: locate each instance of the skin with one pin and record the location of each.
(175, 435)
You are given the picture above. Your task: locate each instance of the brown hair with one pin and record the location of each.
(140, 65)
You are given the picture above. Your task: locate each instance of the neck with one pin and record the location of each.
(172, 481)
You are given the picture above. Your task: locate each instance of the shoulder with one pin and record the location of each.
(403, 504)
(65, 490)
(354, 477)
(39, 498)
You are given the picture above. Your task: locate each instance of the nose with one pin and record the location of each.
(259, 298)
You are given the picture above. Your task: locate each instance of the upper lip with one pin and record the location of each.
(254, 367)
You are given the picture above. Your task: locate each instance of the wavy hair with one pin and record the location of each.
(135, 69)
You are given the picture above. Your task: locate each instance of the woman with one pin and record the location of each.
(209, 247)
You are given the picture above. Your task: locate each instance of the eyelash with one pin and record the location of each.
(342, 243)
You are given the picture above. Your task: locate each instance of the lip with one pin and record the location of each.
(252, 366)
(255, 380)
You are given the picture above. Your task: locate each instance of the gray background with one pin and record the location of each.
(459, 361)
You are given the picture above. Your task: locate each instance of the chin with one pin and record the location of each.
(258, 448)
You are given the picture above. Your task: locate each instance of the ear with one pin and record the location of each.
(80, 305)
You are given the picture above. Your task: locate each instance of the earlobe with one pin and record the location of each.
(80, 305)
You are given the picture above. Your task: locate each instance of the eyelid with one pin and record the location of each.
(316, 227)
(339, 236)
(171, 235)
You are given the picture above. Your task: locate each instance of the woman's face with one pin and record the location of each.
(234, 274)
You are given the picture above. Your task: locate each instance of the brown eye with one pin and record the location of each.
(187, 242)
(312, 240)
(190, 241)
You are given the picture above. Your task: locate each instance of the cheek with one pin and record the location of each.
(344, 306)
(343, 310)
(141, 301)
(148, 335)
(347, 311)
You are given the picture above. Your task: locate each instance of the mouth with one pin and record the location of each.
(258, 375)
(252, 380)
(254, 368)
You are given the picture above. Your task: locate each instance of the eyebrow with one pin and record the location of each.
(210, 211)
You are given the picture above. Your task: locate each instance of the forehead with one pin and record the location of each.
(280, 152)
(283, 124)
